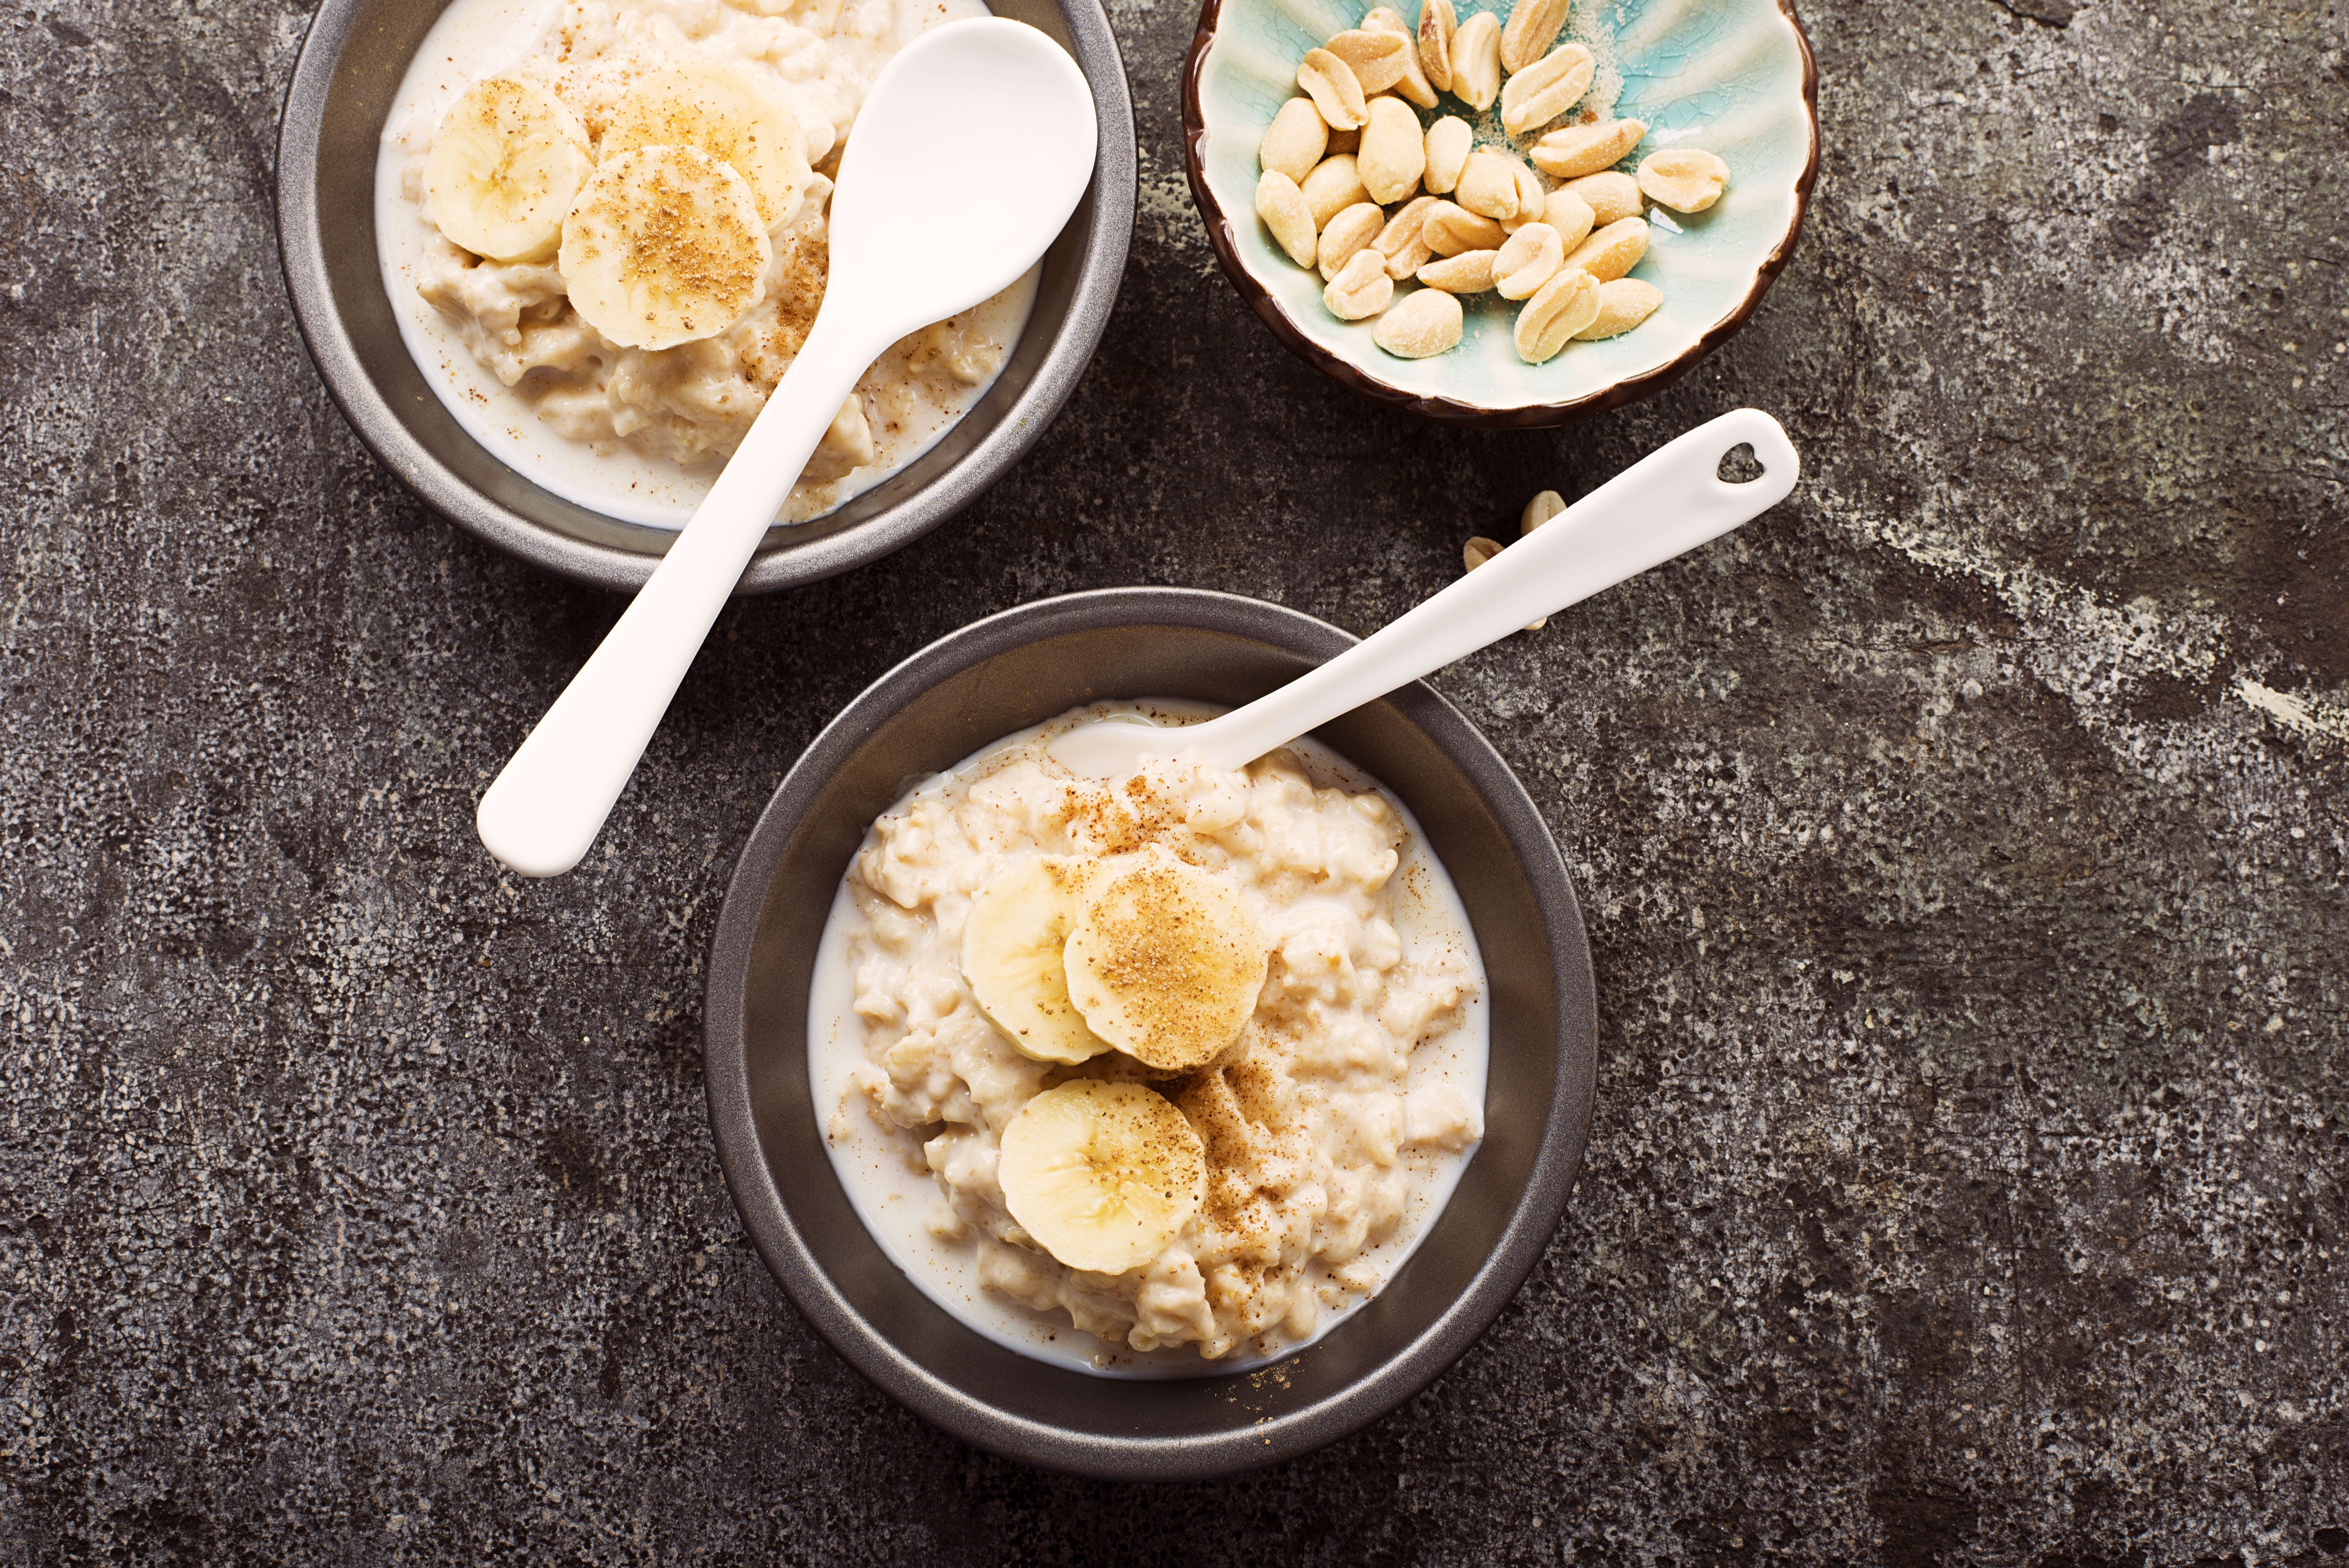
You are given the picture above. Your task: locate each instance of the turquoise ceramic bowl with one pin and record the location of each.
(1733, 76)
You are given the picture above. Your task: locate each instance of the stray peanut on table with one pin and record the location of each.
(1480, 551)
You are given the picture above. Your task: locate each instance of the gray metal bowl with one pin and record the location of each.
(1004, 674)
(343, 85)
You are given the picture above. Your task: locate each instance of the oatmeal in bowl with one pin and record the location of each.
(910, 794)
(602, 227)
(1186, 1060)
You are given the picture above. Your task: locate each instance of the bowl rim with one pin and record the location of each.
(1523, 416)
(1109, 204)
(1541, 1204)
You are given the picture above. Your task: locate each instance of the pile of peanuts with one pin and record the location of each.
(1355, 185)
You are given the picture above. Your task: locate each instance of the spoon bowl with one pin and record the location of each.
(986, 140)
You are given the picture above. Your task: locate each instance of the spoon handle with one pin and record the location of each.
(544, 810)
(1672, 500)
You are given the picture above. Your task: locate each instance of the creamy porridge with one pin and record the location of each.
(528, 133)
(1153, 1076)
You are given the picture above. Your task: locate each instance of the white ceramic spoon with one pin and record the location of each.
(970, 153)
(1672, 500)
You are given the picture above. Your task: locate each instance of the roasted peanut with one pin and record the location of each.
(1530, 195)
(1529, 259)
(1334, 89)
(1437, 22)
(1449, 141)
(1612, 251)
(1376, 58)
(1539, 510)
(1395, 149)
(1335, 184)
(1532, 29)
(1570, 215)
(1684, 179)
(1488, 185)
(1559, 308)
(1420, 324)
(1282, 207)
(1348, 232)
(1360, 288)
(1547, 88)
(1451, 229)
(1480, 550)
(1470, 272)
(1413, 85)
(1476, 61)
(1295, 140)
(1401, 241)
(1580, 150)
(1623, 305)
(1611, 197)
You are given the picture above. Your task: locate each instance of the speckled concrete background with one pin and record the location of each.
(1963, 846)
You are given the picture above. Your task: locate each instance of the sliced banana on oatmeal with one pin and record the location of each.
(664, 245)
(1103, 1175)
(723, 110)
(1165, 960)
(504, 167)
(1012, 945)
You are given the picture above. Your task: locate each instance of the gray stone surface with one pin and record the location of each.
(1963, 846)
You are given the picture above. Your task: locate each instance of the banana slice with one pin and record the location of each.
(1103, 1175)
(1012, 957)
(664, 246)
(1164, 961)
(724, 111)
(504, 166)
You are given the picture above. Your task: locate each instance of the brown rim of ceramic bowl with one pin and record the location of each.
(1533, 416)
(990, 679)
